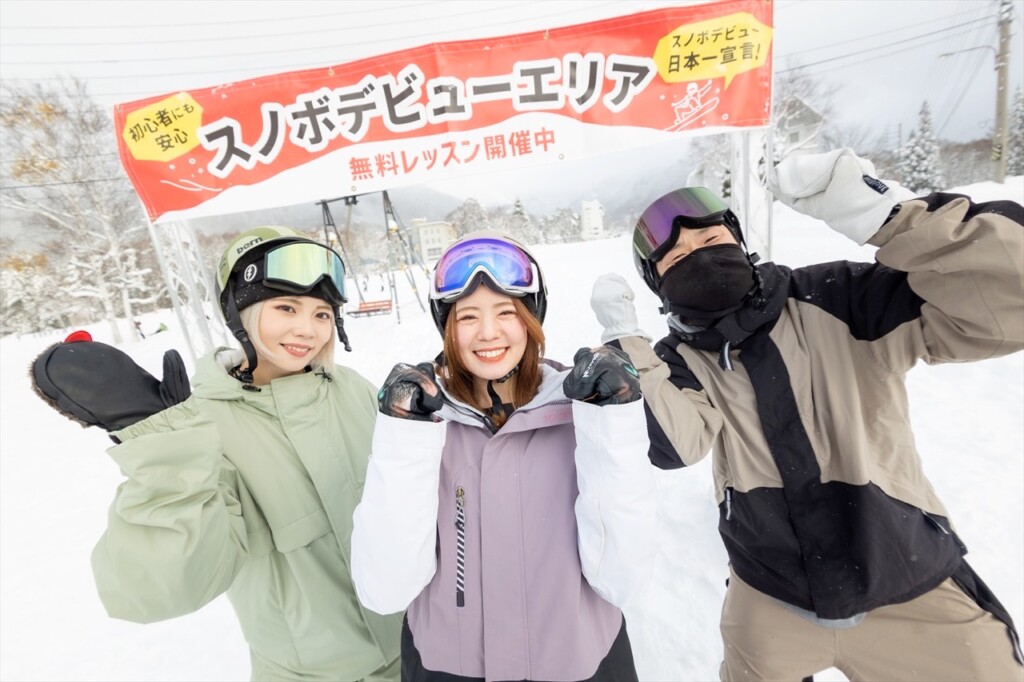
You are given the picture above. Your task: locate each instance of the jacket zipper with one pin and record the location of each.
(460, 546)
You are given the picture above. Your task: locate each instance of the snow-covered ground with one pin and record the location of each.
(56, 483)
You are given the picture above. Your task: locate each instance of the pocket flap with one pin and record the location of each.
(301, 532)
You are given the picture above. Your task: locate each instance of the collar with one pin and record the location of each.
(729, 332)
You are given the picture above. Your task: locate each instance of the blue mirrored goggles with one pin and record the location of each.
(503, 262)
(658, 227)
(299, 267)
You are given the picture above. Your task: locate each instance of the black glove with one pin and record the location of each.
(602, 376)
(411, 392)
(98, 385)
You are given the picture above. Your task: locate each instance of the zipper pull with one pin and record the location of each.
(460, 546)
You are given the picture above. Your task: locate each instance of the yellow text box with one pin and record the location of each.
(163, 130)
(713, 48)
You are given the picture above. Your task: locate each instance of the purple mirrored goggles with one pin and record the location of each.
(658, 227)
(503, 262)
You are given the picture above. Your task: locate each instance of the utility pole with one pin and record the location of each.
(1002, 89)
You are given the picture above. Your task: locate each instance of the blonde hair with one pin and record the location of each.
(250, 317)
(459, 380)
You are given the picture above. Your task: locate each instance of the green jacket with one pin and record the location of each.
(251, 493)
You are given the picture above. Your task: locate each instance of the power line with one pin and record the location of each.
(8, 188)
(234, 22)
(278, 34)
(879, 33)
(902, 41)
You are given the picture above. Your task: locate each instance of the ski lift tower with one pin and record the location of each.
(401, 255)
(332, 234)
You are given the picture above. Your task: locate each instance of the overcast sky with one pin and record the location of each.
(885, 54)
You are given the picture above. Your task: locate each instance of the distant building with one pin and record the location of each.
(591, 220)
(798, 125)
(430, 238)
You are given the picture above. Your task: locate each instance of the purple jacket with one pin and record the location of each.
(501, 592)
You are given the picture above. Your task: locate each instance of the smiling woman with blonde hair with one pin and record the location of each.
(247, 487)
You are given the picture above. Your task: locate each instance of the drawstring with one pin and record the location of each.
(724, 361)
(245, 377)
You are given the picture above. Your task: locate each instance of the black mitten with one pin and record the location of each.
(410, 392)
(602, 376)
(98, 385)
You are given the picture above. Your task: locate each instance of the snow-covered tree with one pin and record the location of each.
(517, 224)
(1015, 140)
(469, 217)
(713, 158)
(919, 158)
(60, 170)
(561, 227)
(31, 295)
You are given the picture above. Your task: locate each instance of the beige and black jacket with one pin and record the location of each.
(823, 500)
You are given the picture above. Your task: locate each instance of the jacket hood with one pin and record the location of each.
(212, 381)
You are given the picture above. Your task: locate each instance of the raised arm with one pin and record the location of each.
(616, 511)
(681, 421)
(394, 533)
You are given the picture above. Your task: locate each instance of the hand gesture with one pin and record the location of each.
(839, 188)
(98, 385)
(411, 392)
(612, 303)
(602, 376)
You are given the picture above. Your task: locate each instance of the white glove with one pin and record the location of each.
(839, 188)
(612, 302)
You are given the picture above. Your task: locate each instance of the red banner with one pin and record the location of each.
(444, 109)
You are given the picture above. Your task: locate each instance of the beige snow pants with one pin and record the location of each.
(940, 636)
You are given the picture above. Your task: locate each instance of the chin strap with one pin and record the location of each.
(235, 325)
(499, 408)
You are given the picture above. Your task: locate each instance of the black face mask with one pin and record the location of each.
(713, 279)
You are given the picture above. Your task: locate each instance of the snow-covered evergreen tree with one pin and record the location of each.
(518, 224)
(919, 158)
(561, 227)
(1015, 140)
(60, 171)
(469, 217)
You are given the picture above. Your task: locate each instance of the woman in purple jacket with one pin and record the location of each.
(509, 503)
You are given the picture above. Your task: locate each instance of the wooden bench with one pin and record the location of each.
(370, 308)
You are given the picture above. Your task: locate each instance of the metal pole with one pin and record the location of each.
(1002, 88)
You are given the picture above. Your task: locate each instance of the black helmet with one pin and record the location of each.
(267, 262)
(491, 258)
(658, 228)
